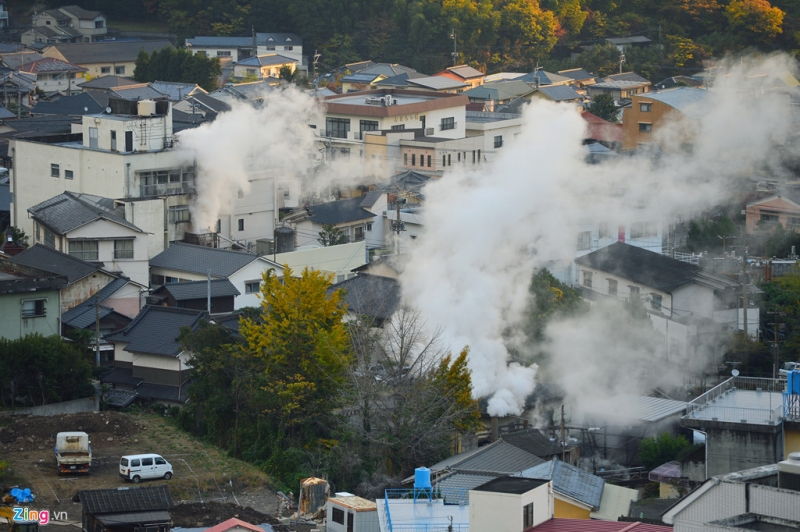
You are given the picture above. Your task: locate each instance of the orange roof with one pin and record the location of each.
(233, 523)
(599, 129)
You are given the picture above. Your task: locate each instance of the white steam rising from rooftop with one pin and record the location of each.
(488, 230)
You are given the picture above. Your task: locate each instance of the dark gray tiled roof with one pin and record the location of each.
(569, 480)
(626, 76)
(245, 41)
(641, 266)
(107, 82)
(532, 441)
(202, 259)
(155, 330)
(77, 104)
(16, 278)
(69, 211)
(109, 51)
(112, 501)
(370, 295)
(578, 74)
(560, 93)
(543, 78)
(83, 315)
(498, 457)
(199, 289)
(213, 104)
(266, 60)
(48, 259)
(137, 92)
(455, 486)
(343, 211)
(176, 91)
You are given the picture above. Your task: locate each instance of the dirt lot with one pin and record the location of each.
(203, 474)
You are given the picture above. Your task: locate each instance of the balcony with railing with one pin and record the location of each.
(409, 510)
(748, 400)
(166, 189)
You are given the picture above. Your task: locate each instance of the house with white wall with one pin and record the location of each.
(264, 66)
(65, 24)
(346, 512)
(126, 155)
(189, 262)
(54, 76)
(92, 228)
(510, 504)
(237, 48)
(105, 58)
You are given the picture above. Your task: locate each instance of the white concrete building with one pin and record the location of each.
(510, 503)
(238, 48)
(348, 513)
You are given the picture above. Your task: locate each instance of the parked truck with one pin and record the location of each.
(73, 452)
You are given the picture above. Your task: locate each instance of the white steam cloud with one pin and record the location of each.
(488, 230)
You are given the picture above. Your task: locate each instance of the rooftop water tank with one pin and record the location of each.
(146, 108)
(422, 478)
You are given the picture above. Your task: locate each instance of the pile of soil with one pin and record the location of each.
(195, 515)
(102, 427)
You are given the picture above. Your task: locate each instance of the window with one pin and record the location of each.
(448, 123)
(585, 240)
(93, 137)
(179, 214)
(337, 515)
(429, 161)
(358, 233)
(123, 249)
(270, 48)
(449, 160)
(135, 463)
(399, 127)
(147, 461)
(241, 224)
(98, 24)
(612, 287)
(113, 141)
(166, 182)
(368, 125)
(55, 170)
(68, 174)
(444, 160)
(794, 222)
(83, 249)
(349, 521)
(161, 461)
(768, 217)
(405, 159)
(498, 141)
(252, 287)
(603, 230)
(645, 107)
(655, 301)
(413, 159)
(119, 70)
(587, 279)
(527, 516)
(223, 53)
(290, 48)
(643, 229)
(369, 226)
(633, 291)
(105, 70)
(34, 308)
(337, 127)
(645, 127)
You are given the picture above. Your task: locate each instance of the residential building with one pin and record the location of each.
(237, 48)
(73, 106)
(29, 300)
(510, 504)
(766, 213)
(491, 95)
(623, 43)
(264, 66)
(418, 510)
(649, 112)
(177, 91)
(125, 155)
(621, 86)
(338, 260)
(65, 24)
(599, 130)
(404, 81)
(126, 510)
(84, 279)
(370, 296)
(105, 58)
(541, 78)
(53, 75)
(759, 498)
(92, 228)
(364, 75)
(684, 303)
(346, 512)
(465, 74)
(189, 262)
(580, 78)
(560, 94)
(742, 420)
(149, 362)
(214, 296)
(355, 219)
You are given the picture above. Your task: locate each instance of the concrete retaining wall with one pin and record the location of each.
(76, 406)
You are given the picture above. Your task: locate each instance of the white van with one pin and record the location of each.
(136, 467)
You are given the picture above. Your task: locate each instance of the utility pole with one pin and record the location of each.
(208, 292)
(454, 53)
(316, 56)
(744, 283)
(96, 334)
(397, 225)
(563, 435)
(621, 60)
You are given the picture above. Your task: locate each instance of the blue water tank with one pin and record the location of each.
(422, 478)
(795, 388)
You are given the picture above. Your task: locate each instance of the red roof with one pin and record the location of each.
(558, 524)
(50, 64)
(232, 523)
(602, 130)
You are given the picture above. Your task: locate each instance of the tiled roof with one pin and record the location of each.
(626, 76)
(340, 211)
(107, 52)
(370, 295)
(500, 90)
(76, 104)
(199, 289)
(233, 523)
(49, 64)
(560, 93)
(569, 480)
(69, 211)
(578, 74)
(266, 60)
(465, 71)
(80, 13)
(498, 457)
(14, 60)
(437, 82)
(112, 501)
(107, 82)
(155, 330)
(137, 92)
(533, 441)
(641, 266)
(560, 524)
(48, 259)
(176, 91)
(455, 486)
(202, 259)
(543, 77)
(16, 278)
(83, 315)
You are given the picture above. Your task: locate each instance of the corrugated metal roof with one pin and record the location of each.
(177, 91)
(112, 501)
(266, 60)
(570, 481)
(684, 99)
(455, 487)
(465, 71)
(560, 524)
(370, 295)
(500, 458)
(131, 518)
(657, 408)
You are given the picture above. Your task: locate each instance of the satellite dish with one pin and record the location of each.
(735, 372)
(85, 109)
(108, 110)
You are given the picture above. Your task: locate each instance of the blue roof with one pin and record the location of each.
(684, 99)
(569, 480)
(360, 77)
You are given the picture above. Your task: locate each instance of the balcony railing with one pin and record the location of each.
(166, 189)
(771, 414)
(426, 524)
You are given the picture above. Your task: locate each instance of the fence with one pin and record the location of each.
(433, 523)
(714, 397)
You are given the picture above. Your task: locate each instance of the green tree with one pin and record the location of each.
(711, 234)
(170, 64)
(781, 304)
(603, 106)
(663, 448)
(756, 20)
(550, 298)
(331, 235)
